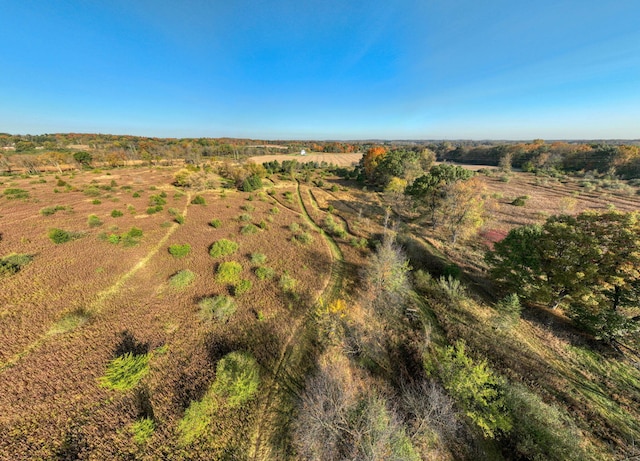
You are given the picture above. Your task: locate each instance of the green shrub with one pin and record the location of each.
(361, 243)
(229, 272)
(179, 219)
(198, 200)
(248, 229)
(265, 273)
(478, 391)
(223, 247)
(520, 201)
(258, 259)
(49, 210)
(58, 236)
(215, 223)
(219, 307)
(294, 227)
(288, 283)
(92, 191)
(274, 210)
(252, 183)
(154, 209)
(248, 208)
(197, 419)
(182, 279)
(135, 195)
(242, 287)
(334, 228)
(116, 213)
(179, 251)
(13, 263)
(288, 195)
(158, 200)
(96, 202)
(305, 238)
(263, 224)
(94, 221)
(125, 371)
(237, 378)
(244, 217)
(173, 211)
(142, 430)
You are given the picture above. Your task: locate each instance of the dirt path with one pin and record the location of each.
(96, 306)
(279, 389)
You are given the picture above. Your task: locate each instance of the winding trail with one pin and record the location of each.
(279, 388)
(96, 305)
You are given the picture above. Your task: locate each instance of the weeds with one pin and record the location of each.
(223, 247)
(229, 272)
(182, 279)
(125, 371)
(219, 307)
(179, 251)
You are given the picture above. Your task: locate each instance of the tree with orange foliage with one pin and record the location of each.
(372, 158)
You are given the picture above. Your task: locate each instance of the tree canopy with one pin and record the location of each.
(587, 264)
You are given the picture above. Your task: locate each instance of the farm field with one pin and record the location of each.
(193, 323)
(342, 160)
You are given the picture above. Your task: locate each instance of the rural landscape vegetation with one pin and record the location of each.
(233, 299)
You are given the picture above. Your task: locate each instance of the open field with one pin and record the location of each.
(141, 277)
(343, 160)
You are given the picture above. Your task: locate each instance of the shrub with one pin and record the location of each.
(258, 259)
(248, 208)
(154, 209)
(223, 247)
(158, 200)
(244, 217)
(294, 227)
(476, 389)
(237, 378)
(198, 200)
(229, 272)
(179, 251)
(264, 273)
(142, 430)
(58, 236)
(13, 263)
(252, 183)
(451, 287)
(94, 221)
(182, 279)
(135, 195)
(305, 238)
(215, 223)
(288, 283)
(116, 213)
(520, 201)
(96, 202)
(334, 227)
(219, 307)
(49, 210)
(274, 210)
(248, 229)
(242, 287)
(125, 371)
(179, 219)
(288, 196)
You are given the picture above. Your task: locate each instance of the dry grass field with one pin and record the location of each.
(68, 313)
(137, 274)
(342, 160)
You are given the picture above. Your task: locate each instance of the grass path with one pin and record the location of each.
(96, 306)
(279, 388)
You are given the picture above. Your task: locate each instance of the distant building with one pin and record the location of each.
(303, 152)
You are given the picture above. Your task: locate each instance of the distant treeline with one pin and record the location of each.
(32, 152)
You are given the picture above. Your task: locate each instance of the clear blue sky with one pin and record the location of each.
(325, 69)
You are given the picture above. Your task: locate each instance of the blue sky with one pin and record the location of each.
(330, 69)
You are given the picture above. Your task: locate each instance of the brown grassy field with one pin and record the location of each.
(53, 406)
(50, 377)
(343, 160)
